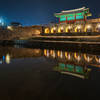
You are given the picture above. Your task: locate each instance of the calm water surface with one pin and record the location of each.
(48, 74)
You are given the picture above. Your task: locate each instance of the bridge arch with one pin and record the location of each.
(61, 29)
(53, 30)
(78, 28)
(47, 30)
(68, 29)
(97, 28)
(88, 28)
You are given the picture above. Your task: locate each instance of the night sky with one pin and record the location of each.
(31, 12)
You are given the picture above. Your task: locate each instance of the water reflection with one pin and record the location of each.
(80, 58)
(72, 63)
(76, 64)
(5, 59)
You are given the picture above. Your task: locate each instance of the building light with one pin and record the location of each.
(69, 27)
(79, 27)
(98, 26)
(69, 56)
(54, 28)
(89, 26)
(62, 28)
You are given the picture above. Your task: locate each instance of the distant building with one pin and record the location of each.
(72, 16)
(75, 20)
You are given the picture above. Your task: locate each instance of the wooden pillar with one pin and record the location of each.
(85, 18)
(59, 20)
(75, 18)
(66, 20)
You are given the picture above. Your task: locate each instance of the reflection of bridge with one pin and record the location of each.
(72, 63)
(80, 58)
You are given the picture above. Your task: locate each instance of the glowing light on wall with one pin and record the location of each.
(61, 54)
(67, 55)
(79, 27)
(47, 30)
(87, 58)
(54, 55)
(53, 29)
(89, 27)
(98, 27)
(60, 29)
(48, 53)
(45, 52)
(77, 57)
(97, 59)
(69, 27)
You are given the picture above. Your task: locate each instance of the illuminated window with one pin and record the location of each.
(70, 68)
(63, 19)
(79, 17)
(79, 69)
(71, 18)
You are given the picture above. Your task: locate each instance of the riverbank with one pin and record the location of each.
(69, 45)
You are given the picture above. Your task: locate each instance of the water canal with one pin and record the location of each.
(48, 74)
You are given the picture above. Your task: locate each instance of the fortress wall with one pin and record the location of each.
(20, 32)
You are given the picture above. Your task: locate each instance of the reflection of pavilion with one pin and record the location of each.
(74, 57)
(77, 71)
(72, 63)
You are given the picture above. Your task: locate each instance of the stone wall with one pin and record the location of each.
(19, 32)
